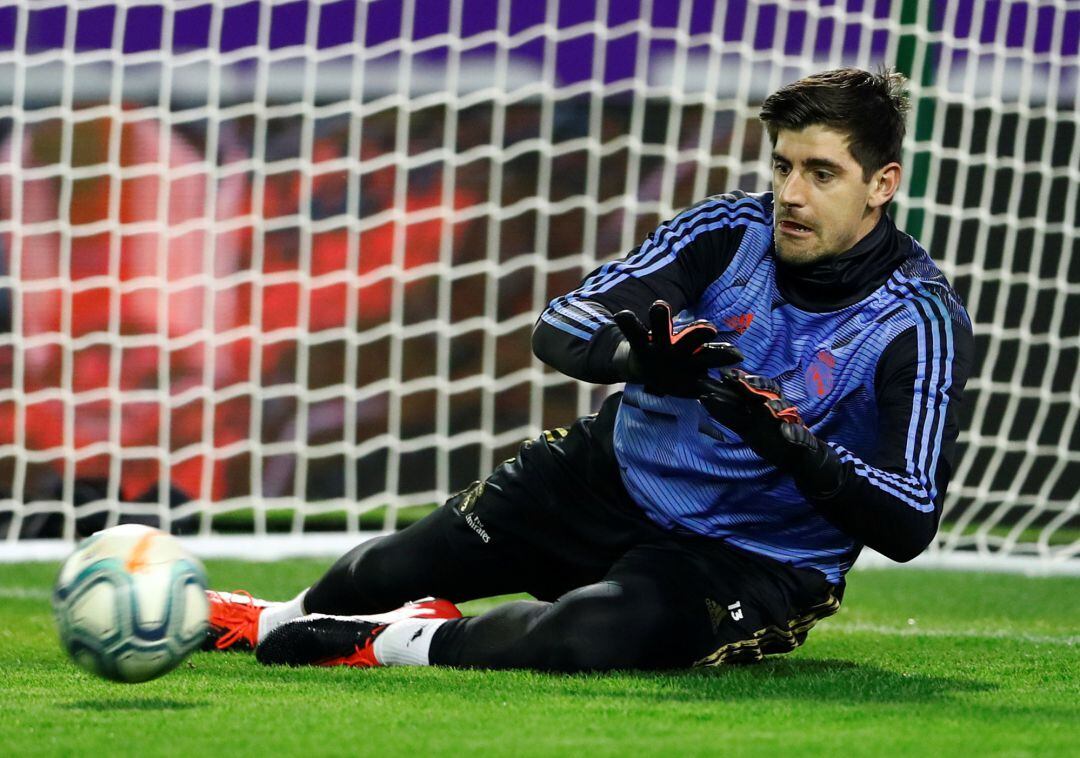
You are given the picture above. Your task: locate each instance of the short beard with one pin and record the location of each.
(799, 259)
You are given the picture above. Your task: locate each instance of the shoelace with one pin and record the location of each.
(361, 651)
(234, 615)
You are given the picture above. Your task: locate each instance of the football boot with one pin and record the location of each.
(324, 640)
(234, 620)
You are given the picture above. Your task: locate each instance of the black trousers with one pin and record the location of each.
(613, 589)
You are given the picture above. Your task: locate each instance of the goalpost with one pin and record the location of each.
(268, 271)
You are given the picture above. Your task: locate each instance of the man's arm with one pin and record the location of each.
(892, 501)
(577, 334)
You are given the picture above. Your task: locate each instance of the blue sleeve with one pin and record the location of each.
(676, 263)
(892, 501)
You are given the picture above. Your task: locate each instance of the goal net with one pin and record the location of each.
(270, 269)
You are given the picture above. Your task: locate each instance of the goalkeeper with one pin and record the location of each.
(793, 365)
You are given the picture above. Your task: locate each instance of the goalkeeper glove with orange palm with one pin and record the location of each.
(754, 407)
(666, 360)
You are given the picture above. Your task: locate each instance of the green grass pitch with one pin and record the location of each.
(916, 663)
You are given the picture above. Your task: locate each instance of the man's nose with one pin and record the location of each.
(791, 193)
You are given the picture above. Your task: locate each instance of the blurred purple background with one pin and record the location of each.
(336, 23)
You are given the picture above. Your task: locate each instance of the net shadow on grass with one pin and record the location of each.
(109, 704)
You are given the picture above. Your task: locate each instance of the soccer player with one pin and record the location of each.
(707, 513)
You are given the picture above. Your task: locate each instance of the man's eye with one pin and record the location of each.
(781, 168)
(822, 176)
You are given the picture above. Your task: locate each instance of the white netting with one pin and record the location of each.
(273, 266)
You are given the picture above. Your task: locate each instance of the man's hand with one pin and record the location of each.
(754, 407)
(666, 361)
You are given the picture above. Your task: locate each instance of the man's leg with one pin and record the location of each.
(646, 614)
(633, 619)
(552, 519)
(437, 556)
(430, 557)
(549, 520)
(674, 603)
(605, 626)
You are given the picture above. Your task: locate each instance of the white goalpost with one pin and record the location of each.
(268, 271)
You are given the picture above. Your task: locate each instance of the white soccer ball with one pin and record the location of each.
(130, 603)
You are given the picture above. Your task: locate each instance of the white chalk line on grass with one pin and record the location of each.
(915, 631)
(25, 593)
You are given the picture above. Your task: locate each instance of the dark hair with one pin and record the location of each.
(870, 108)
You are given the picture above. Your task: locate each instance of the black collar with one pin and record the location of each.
(840, 281)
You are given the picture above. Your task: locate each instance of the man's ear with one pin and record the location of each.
(884, 184)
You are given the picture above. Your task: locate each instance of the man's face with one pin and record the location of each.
(822, 204)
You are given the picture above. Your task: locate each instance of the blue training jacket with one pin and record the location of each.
(873, 346)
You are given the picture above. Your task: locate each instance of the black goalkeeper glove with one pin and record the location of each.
(754, 407)
(666, 361)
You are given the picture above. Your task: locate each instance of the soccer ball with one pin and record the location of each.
(130, 603)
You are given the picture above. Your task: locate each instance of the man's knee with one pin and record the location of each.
(383, 575)
(353, 584)
(367, 562)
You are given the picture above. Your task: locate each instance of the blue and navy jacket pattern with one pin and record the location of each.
(877, 379)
